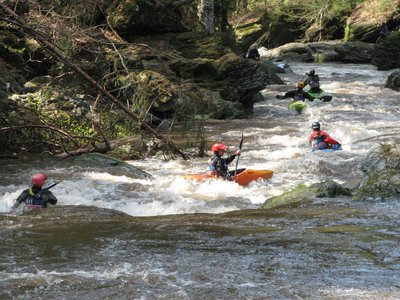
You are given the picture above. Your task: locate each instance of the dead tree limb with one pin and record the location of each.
(55, 51)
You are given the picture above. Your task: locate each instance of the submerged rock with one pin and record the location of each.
(303, 193)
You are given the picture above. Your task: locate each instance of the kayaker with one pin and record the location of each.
(35, 196)
(320, 140)
(218, 164)
(313, 81)
(298, 94)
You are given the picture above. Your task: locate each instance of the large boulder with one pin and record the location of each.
(303, 193)
(250, 30)
(241, 79)
(143, 17)
(212, 63)
(349, 52)
(393, 81)
(265, 29)
(386, 54)
(381, 173)
(365, 22)
(355, 52)
(290, 52)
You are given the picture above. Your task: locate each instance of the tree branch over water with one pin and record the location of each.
(57, 53)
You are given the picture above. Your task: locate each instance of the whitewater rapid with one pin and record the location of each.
(275, 138)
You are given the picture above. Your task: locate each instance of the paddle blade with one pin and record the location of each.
(326, 98)
(241, 143)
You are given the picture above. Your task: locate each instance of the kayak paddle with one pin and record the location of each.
(237, 161)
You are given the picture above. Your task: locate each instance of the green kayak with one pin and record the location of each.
(297, 106)
(320, 95)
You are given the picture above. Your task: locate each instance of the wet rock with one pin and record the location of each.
(350, 52)
(303, 193)
(291, 52)
(386, 54)
(393, 81)
(381, 173)
(355, 52)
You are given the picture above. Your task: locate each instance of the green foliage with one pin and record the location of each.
(307, 11)
(76, 127)
(10, 43)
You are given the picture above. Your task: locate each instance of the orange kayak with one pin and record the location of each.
(243, 178)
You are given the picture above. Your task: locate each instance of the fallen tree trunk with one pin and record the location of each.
(53, 50)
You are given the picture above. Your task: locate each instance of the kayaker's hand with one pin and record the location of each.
(237, 153)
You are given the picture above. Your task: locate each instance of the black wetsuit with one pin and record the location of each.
(35, 197)
(220, 165)
(313, 82)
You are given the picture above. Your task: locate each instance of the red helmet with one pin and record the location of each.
(217, 147)
(39, 179)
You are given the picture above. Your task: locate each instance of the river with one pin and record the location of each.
(115, 237)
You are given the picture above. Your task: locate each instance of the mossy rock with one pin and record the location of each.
(195, 100)
(386, 54)
(199, 45)
(153, 90)
(247, 34)
(151, 16)
(303, 194)
(381, 177)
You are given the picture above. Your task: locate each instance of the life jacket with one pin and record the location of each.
(314, 84)
(211, 165)
(218, 162)
(318, 140)
(313, 81)
(34, 201)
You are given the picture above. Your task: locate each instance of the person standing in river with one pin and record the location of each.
(252, 53)
(218, 164)
(321, 140)
(36, 196)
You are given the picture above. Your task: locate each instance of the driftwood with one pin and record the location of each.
(53, 50)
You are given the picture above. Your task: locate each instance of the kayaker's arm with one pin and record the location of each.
(288, 94)
(229, 159)
(330, 140)
(21, 198)
(49, 197)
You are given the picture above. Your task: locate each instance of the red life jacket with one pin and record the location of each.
(318, 140)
